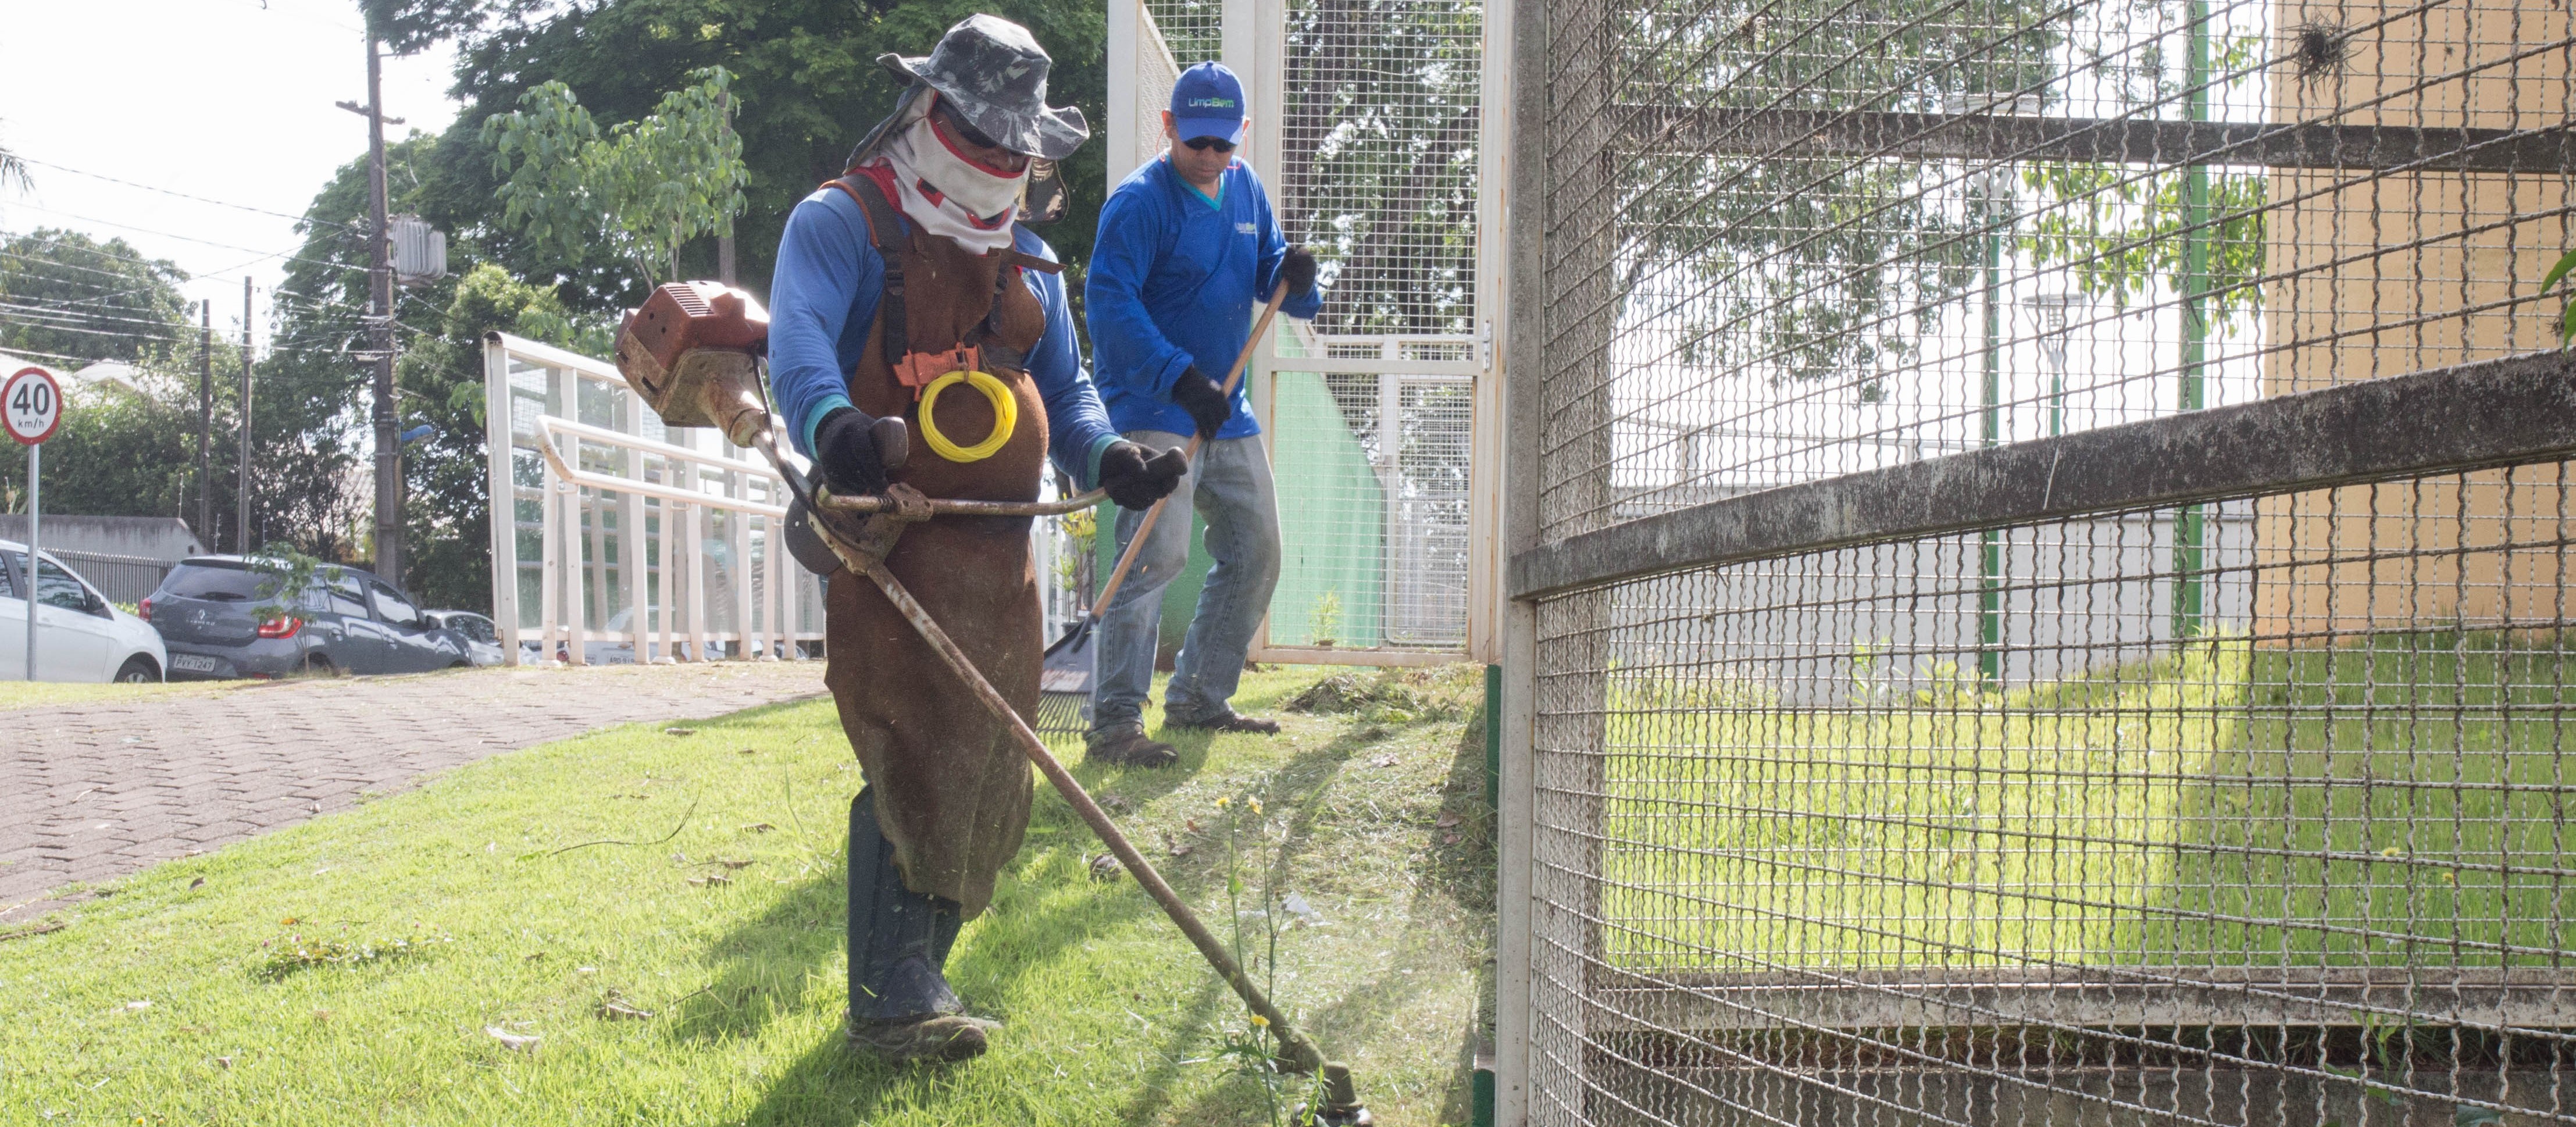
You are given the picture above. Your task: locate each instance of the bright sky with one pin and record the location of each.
(230, 100)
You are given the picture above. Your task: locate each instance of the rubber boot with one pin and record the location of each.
(901, 1009)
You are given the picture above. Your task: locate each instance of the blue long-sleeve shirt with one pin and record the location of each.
(823, 301)
(1174, 281)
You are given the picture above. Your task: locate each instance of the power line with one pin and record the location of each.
(94, 332)
(70, 265)
(77, 315)
(288, 255)
(183, 195)
(16, 351)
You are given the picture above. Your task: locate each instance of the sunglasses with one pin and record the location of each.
(1203, 144)
(972, 136)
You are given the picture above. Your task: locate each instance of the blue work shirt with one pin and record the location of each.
(823, 301)
(1175, 280)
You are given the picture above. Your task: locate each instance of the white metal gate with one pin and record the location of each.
(623, 540)
(1382, 415)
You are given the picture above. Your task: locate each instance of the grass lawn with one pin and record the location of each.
(357, 968)
(2403, 802)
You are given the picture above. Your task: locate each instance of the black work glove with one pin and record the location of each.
(1298, 270)
(1209, 406)
(848, 453)
(1136, 480)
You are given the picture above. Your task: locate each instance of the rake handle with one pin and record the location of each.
(1189, 453)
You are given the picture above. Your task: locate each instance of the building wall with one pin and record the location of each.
(2381, 275)
(163, 539)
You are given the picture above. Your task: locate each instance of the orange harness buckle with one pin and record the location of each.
(919, 368)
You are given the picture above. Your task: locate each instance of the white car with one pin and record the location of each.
(482, 639)
(80, 636)
(619, 652)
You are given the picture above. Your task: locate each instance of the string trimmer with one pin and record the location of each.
(692, 353)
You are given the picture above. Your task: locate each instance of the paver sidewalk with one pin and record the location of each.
(89, 792)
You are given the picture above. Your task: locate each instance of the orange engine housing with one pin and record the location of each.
(684, 315)
(691, 341)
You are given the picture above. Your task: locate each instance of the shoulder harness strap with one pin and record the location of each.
(886, 234)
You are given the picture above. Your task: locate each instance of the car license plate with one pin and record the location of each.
(193, 663)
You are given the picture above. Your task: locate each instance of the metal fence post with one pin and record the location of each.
(500, 485)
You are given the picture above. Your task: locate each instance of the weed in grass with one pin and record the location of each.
(1254, 1049)
(296, 953)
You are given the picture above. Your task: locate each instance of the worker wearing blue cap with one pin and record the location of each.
(1187, 250)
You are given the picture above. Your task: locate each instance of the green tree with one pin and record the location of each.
(312, 390)
(117, 453)
(806, 88)
(642, 189)
(448, 502)
(65, 295)
(122, 450)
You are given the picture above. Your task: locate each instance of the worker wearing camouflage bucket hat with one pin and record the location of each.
(912, 286)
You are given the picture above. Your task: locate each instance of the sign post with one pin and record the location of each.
(31, 406)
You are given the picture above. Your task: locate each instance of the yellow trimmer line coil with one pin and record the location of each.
(1006, 416)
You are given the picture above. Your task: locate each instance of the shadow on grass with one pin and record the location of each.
(761, 966)
(1153, 1090)
(1362, 1011)
(764, 963)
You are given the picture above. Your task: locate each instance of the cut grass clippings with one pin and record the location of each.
(620, 984)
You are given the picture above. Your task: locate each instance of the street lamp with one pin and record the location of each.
(2050, 310)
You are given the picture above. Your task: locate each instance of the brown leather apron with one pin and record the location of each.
(952, 787)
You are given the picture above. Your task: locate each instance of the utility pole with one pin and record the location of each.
(380, 325)
(241, 489)
(206, 426)
(724, 242)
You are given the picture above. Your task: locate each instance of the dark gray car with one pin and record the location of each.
(222, 616)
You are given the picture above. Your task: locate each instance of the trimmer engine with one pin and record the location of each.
(693, 353)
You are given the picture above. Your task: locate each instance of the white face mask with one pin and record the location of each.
(981, 192)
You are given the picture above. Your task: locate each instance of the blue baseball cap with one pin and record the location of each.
(1208, 102)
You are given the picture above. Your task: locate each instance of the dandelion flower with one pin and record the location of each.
(1261, 1021)
(1221, 801)
(1254, 803)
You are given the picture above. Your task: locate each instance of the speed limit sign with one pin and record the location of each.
(31, 405)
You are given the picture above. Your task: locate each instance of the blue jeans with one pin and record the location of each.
(1230, 487)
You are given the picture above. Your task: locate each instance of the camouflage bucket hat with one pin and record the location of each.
(993, 73)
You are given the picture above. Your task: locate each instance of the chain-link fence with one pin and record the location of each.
(2049, 562)
(1377, 170)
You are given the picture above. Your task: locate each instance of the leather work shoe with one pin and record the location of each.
(1131, 748)
(1230, 722)
(936, 1038)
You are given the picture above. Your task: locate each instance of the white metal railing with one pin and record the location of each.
(612, 532)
